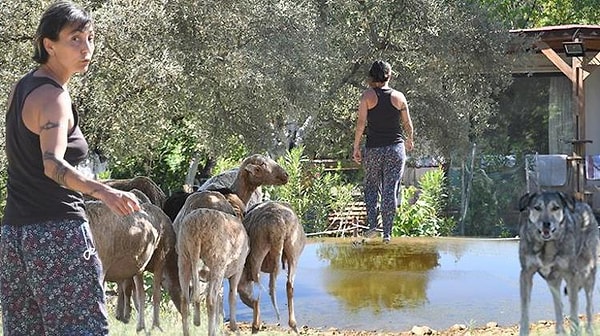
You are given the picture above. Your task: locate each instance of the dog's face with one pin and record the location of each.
(547, 211)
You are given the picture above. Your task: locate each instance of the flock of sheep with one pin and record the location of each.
(191, 242)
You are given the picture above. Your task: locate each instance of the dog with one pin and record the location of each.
(559, 239)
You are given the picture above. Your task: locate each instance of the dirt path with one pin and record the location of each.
(492, 329)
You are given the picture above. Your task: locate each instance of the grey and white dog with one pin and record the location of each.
(559, 240)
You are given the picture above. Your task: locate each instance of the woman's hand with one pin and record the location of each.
(120, 202)
(357, 155)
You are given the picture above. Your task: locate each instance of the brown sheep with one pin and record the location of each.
(219, 240)
(165, 251)
(255, 170)
(126, 245)
(209, 200)
(276, 235)
(143, 184)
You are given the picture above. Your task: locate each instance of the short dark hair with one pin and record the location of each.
(59, 15)
(380, 71)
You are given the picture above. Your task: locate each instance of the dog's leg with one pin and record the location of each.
(554, 285)
(589, 302)
(573, 293)
(526, 283)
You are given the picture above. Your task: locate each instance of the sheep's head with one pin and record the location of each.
(262, 170)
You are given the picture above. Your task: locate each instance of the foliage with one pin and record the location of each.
(438, 51)
(170, 79)
(534, 13)
(497, 183)
(311, 191)
(420, 212)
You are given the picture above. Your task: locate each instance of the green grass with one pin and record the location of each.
(170, 322)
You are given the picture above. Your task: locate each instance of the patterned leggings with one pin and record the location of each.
(384, 167)
(50, 280)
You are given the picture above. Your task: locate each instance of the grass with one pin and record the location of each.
(170, 322)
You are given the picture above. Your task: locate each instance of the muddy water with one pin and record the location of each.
(436, 282)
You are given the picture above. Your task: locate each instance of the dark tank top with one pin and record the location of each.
(383, 121)
(32, 196)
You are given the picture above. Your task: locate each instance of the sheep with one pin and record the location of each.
(165, 251)
(126, 245)
(170, 278)
(219, 240)
(143, 184)
(256, 170)
(275, 235)
(228, 203)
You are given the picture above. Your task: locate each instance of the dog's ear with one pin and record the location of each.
(568, 200)
(525, 200)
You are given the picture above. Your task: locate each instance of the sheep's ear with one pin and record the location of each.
(253, 169)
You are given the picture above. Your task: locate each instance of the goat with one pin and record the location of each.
(275, 235)
(219, 240)
(126, 245)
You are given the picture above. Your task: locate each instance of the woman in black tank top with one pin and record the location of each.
(49, 272)
(383, 112)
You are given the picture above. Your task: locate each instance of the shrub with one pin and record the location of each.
(420, 212)
(311, 191)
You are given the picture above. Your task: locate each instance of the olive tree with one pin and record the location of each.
(447, 57)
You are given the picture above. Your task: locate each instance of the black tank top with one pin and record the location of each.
(32, 196)
(383, 121)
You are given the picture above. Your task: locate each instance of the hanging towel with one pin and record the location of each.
(550, 170)
(592, 167)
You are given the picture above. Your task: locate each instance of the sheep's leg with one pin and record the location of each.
(254, 264)
(255, 316)
(275, 256)
(185, 276)
(156, 294)
(124, 289)
(245, 290)
(201, 294)
(197, 318)
(273, 294)
(233, 284)
(140, 298)
(290, 295)
(211, 302)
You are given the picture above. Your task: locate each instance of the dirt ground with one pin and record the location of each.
(492, 329)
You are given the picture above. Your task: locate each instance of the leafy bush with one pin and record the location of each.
(311, 191)
(420, 212)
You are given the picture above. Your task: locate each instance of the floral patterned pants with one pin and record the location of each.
(50, 280)
(384, 167)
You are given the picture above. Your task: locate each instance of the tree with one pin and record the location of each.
(174, 79)
(521, 14)
(448, 58)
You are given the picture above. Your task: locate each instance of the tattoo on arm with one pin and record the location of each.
(61, 170)
(49, 125)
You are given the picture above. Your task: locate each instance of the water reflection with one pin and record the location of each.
(413, 281)
(378, 276)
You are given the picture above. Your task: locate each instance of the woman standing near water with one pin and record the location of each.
(381, 111)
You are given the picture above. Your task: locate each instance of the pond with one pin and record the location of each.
(436, 282)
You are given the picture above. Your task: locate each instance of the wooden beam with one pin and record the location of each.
(556, 60)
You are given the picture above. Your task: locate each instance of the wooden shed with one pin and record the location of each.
(572, 54)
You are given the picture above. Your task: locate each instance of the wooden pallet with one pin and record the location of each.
(351, 219)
